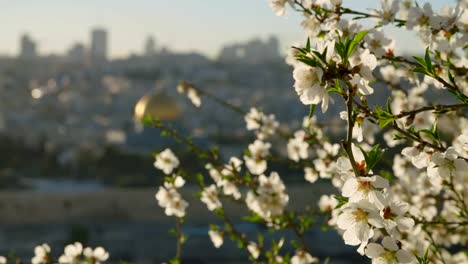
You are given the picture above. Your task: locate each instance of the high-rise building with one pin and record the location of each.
(150, 46)
(76, 54)
(28, 47)
(98, 50)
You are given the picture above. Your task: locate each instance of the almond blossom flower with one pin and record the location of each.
(461, 144)
(209, 196)
(393, 215)
(97, 255)
(377, 42)
(388, 12)
(194, 97)
(256, 162)
(310, 175)
(41, 254)
(308, 85)
(358, 220)
(216, 237)
(169, 198)
(303, 257)
(362, 128)
(3, 260)
(447, 164)
(419, 157)
(278, 6)
(327, 203)
(365, 188)
(270, 199)
(166, 161)
(253, 249)
(232, 168)
(71, 253)
(325, 163)
(263, 125)
(344, 167)
(418, 18)
(366, 62)
(387, 253)
(362, 84)
(192, 93)
(297, 147)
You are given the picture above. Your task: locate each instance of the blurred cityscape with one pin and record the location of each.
(71, 136)
(72, 115)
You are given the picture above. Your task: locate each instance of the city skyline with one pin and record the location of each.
(205, 28)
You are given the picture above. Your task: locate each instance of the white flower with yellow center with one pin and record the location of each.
(209, 196)
(365, 188)
(166, 161)
(387, 253)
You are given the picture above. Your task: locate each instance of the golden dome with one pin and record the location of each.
(159, 105)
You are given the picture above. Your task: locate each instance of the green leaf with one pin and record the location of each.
(147, 120)
(309, 61)
(384, 117)
(312, 110)
(308, 45)
(374, 156)
(341, 201)
(254, 218)
(420, 70)
(420, 61)
(427, 59)
(340, 49)
(451, 79)
(355, 43)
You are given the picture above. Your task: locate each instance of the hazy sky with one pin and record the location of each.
(182, 25)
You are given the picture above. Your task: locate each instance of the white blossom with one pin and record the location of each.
(378, 43)
(256, 162)
(327, 203)
(365, 188)
(418, 17)
(387, 253)
(192, 93)
(308, 85)
(209, 196)
(270, 197)
(171, 200)
(310, 175)
(393, 215)
(166, 161)
(388, 12)
(253, 249)
(278, 6)
(216, 237)
(297, 147)
(303, 257)
(263, 125)
(41, 254)
(71, 253)
(358, 221)
(98, 255)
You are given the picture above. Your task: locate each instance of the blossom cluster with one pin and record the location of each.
(408, 208)
(73, 253)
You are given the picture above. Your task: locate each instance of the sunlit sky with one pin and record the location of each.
(182, 25)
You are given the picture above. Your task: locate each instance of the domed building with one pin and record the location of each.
(158, 105)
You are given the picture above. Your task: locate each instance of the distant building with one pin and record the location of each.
(150, 47)
(254, 51)
(99, 47)
(76, 54)
(28, 47)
